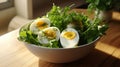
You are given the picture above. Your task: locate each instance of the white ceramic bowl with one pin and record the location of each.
(61, 55)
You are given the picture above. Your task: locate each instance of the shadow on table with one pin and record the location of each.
(95, 59)
(112, 36)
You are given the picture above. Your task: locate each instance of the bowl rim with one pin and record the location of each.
(26, 43)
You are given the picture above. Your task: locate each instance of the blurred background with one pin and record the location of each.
(15, 13)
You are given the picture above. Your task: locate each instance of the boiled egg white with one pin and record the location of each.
(48, 34)
(71, 25)
(39, 24)
(69, 38)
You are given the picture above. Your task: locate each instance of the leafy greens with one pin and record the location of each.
(88, 29)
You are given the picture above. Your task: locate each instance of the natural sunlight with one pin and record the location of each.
(108, 49)
(2, 1)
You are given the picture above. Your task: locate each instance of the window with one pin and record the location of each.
(6, 4)
(2, 1)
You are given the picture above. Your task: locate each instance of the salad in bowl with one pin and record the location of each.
(61, 36)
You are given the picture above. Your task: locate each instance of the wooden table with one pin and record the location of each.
(106, 53)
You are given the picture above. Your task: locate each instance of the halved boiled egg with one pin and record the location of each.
(39, 24)
(69, 38)
(48, 34)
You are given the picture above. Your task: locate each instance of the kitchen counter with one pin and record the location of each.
(106, 53)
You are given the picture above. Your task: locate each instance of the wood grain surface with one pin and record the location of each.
(106, 53)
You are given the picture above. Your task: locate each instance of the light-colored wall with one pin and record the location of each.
(6, 15)
(24, 8)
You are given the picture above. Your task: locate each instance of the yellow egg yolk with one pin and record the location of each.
(42, 25)
(69, 35)
(51, 34)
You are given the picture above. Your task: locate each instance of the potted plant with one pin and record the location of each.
(103, 8)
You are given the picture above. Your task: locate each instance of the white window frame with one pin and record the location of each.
(7, 4)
